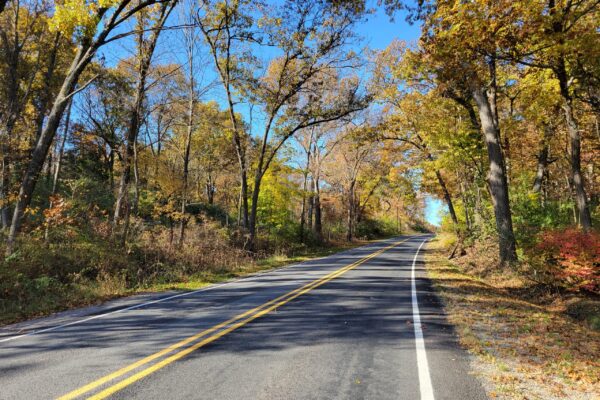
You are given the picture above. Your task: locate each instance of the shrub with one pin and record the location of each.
(375, 228)
(572, 257)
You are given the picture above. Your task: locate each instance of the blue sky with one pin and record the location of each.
(378, 31)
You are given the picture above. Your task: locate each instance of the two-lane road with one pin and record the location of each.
(362, 324)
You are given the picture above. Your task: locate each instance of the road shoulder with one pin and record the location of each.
(520, 350)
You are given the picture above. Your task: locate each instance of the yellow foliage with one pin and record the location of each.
(74, 14)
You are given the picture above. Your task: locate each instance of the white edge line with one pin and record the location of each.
(422, 365)
(160, 300)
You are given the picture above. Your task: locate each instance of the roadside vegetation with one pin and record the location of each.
(50, 278)
(529, 340)
(497, 105)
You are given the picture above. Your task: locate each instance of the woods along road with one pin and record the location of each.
(361, 324)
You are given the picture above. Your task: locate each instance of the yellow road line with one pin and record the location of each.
(84, 389)
(254, 313)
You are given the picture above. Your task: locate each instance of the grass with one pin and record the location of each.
(209, 277)
(523, 348)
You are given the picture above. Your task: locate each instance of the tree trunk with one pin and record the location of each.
(186, 158)
(210, 189)
(542, 162)
(243, 174)
(311, 205)
(122, 203)
(585, 218)
(111, 170)
(463, 196)
(304, 189)
(447, 197)
(59, 157)
(82, 59)
(5, 189)
(145, 53)
(349, 233)
(497, 178)
(254, 211)
(136, 180)
(239, 220)
(318, 226)
(303, 210)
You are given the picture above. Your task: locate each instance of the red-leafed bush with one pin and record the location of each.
(573, 257)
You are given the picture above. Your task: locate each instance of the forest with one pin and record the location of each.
(157, 144)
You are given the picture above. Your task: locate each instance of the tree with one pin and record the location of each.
(143, 59)
(351, 155)
(300, 88)
(27, 49)
(93, 24)
(392, 80)
(225, 25)
(306, 140)
(461, 50)
(562, 37)
(190, 39)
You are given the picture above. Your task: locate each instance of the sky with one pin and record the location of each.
(378, 31)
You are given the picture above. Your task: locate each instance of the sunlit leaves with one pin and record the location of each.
(78, 15)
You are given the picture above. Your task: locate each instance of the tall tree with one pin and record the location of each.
(227, 26)
(23, 31)
(145, 51)
(462, 53)
(190, 39)
(299, 88)
(93, 22)
(562, 36)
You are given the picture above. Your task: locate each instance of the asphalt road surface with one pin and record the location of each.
(362, 324)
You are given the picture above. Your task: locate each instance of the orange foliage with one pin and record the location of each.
(58, 212)
(573, 257)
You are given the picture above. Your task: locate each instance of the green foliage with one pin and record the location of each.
(87, 192)
(147, 203)
(212, 211)
(376, 228)
(276, 193)
(530, 214)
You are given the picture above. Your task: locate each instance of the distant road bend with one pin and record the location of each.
(361, 324)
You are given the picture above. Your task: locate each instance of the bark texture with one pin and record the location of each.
(498, 185)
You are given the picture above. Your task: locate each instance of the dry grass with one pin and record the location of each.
(524, 349)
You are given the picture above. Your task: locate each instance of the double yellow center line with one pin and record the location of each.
(209, 335)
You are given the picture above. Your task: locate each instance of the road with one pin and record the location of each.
(362, 324)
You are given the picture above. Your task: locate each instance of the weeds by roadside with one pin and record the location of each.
(525, 345)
